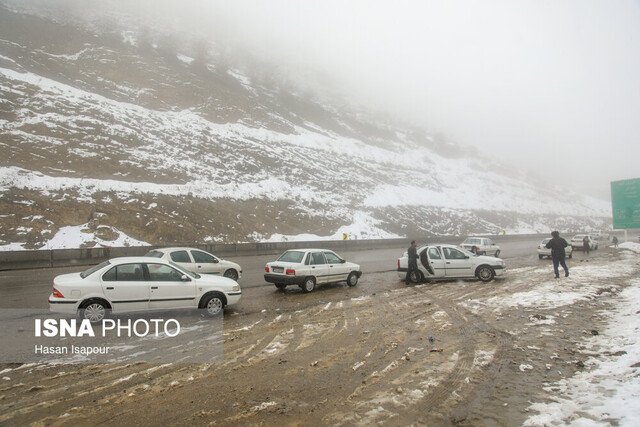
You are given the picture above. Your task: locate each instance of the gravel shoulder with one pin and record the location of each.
(356, 356)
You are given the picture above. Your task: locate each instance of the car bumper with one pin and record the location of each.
(499, 270)
(58, 305)
(281, 278)
(233, 297)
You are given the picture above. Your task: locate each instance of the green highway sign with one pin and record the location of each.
(625, 200)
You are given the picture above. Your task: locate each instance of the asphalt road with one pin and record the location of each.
(31, 288)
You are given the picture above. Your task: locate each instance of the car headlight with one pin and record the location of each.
(236, 288)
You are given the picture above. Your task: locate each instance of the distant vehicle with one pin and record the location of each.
(129, 284)
(577, 242)
(451, 262)
(198, 261)
(480, 246)
(600, 236)
(544, 252)
(310, 267)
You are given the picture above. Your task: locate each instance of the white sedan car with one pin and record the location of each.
(577, 242)
(198, 261)
(451, 262)
(310, 267)
(544, 252)
(130, 284)
(480, 246)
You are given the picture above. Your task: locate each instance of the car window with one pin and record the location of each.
(452, 253)
(93, 269)
(202, 257)
(180, 256)
(291, 256)
(317, 258)
(332, 258)
(488, 242)
(124, 273)
(434, 253)
(163, 273)
(545, 241)
(154, 254)
(472, 241)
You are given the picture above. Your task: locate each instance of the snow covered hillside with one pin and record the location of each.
(166, 146)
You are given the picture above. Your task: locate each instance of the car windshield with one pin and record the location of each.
(93, 269)
(187, 272)
(545, 241)
(291, 256)
(472, 241)
(154, 254)
(580, 236)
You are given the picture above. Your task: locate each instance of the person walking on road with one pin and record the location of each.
(412, 255)
(585, 244)
(615, 242)
(557, 245)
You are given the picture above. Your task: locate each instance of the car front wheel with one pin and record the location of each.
(213, 305)
(309, 284)
(231, 274)
(485, 273)
(352, 280)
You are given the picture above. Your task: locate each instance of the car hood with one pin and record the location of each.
(209, 280)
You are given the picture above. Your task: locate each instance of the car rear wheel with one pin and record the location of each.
(231, 274)
(485, 273)
(416, 276)
(352, 280)
(309, 284)
(94, 311)
(540, 256)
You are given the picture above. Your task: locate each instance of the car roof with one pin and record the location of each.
(308, 250)
(177, 248)
(136, 259)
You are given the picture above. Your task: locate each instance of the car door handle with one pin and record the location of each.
(331, 266)
(110, 288)
(154, 287)
(312, 267)
(448, 262)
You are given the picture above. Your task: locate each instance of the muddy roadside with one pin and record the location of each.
(457, 352)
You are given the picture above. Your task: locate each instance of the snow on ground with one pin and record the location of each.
(635, 247)
(609, 387)
(363, 226)
(74, 237)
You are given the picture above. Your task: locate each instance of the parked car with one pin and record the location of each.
(310, 267)
(577, 242)
(480, 246)
(130, 284)
(198, 261)
(600, 236)
(544, 252)
(451, 262)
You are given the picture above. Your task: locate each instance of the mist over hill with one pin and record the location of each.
(125, 132)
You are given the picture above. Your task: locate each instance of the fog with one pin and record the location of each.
(551, 86)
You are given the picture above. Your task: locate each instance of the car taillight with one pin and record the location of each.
(266, 269)
(57, 294)
(398, 262)
(291, 272)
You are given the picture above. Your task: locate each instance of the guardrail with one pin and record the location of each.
(15, 260)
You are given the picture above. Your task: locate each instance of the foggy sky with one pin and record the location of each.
(547, 85)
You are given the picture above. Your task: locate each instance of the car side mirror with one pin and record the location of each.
(185, 278)
(342, 261)
(215, 261)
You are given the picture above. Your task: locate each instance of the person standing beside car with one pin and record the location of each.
(412, 256)
(585, 244)
(557, 245)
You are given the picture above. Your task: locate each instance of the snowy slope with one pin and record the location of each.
(107, 125)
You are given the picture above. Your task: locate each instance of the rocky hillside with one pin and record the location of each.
(127, 132)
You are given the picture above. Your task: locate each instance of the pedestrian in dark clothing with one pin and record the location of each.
(557, 245)
(412, 254)
(585, 244)
(615, 241)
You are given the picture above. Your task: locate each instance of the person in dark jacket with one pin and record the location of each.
(586, 244)
(412, 255)
(557, 245)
